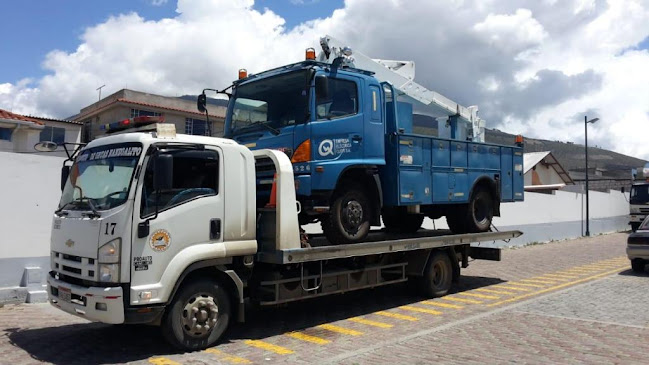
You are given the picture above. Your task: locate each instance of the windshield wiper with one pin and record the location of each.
(81, 199)
(274, 131)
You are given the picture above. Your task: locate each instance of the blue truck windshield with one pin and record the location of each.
(274, 102)
(100, 177)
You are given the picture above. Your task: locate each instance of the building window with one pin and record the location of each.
(54, 134)
(5, 134)
(197, 127)
(143, 113)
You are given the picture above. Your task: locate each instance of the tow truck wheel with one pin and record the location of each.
(438, 275)
(638, 265)
(197, 317)
(397, 220)
(348, 220)
(480, 211)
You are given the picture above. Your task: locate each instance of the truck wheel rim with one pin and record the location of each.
(352, 215)
(199, 315)
(480, 210)
(439, 274)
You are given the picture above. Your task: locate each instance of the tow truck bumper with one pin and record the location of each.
(636, 218)
(636, 251)
(92, 303)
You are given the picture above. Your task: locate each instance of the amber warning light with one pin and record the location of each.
(519, 140)
(310, 54)
(243, 73)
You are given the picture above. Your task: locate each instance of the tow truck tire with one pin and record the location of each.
(208, 304)
(479, 212)
(438, 275)
(638, 265)
(348, 220)
(397, 220)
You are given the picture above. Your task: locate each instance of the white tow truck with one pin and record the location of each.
(164, 228)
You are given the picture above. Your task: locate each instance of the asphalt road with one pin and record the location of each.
(564, 302)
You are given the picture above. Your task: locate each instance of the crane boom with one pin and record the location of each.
(401, 75)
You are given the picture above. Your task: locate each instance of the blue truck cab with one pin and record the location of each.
(357, 158)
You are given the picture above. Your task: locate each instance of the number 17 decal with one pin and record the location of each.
(112, 228)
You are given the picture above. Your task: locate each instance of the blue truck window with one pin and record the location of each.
(341, 101)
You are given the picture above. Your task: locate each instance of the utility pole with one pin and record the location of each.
(99, 89)
(586, 121)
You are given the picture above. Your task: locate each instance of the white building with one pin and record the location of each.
(543, 172)
(19, 133)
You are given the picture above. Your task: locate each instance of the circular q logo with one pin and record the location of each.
(326, 147)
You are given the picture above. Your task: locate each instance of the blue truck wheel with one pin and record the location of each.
(348, 220)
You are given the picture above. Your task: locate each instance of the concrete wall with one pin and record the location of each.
(29, 194)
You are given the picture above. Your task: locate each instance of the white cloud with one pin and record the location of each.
(158, 2)
(532, 67)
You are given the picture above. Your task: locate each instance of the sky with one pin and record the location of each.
(534, 67)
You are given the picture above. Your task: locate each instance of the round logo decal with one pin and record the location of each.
(160, 240)
(326, 147)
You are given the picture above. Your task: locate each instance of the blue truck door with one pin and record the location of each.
(337, 133)
(507, 178)
(374, 144)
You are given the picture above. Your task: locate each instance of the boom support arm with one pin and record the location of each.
(401, 75)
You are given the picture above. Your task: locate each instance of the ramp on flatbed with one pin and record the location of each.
(380, 242)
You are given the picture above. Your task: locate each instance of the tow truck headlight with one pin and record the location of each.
(109, 253)
(109, 273)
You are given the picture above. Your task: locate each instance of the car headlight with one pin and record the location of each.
(109, 273)
(109, 253)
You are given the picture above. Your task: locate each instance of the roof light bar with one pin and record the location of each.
(131, 123)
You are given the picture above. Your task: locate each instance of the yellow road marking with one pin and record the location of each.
(508, 287)
(481, 296)
(338, 329)
(462, 300)
(268, 347)
(397, 316)
(227, 357)
(370, 323)
(539, 281)
(162, 361)
(308, 338)
(442, 305)
(579, 270)
(420, 310)
(530, 285)
(560, 277)
(556, 287)
(494, 291)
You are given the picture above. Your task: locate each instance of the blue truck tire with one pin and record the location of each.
(348, 219)
(397, 220)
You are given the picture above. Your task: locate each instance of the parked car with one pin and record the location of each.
(637, 248)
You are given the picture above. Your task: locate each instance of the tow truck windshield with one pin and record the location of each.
(639, 194)
(270, 104)
(100, 177)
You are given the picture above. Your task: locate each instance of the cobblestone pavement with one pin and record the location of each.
(564, 302)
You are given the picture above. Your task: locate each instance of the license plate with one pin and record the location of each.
(65, 294)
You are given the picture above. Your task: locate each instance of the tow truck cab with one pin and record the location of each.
(138, 209)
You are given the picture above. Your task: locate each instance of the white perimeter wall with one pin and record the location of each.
(29, 193)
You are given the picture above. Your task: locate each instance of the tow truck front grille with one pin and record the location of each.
(83, 268)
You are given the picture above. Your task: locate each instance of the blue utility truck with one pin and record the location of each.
(361, 136)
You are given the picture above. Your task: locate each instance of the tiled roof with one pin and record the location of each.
(54, 120)
(4, 114)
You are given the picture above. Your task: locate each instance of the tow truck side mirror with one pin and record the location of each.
(163, 173)
(201, 102)
(321, 86)
(65, 172)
